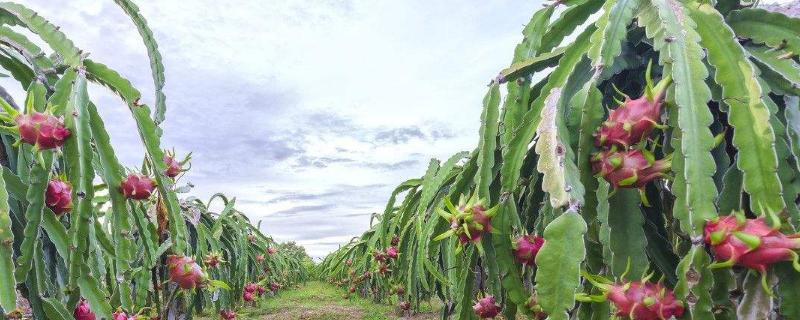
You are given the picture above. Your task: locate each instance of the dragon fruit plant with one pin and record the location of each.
(74, 226)
(623, 132)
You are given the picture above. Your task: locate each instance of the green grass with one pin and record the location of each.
(321, 301)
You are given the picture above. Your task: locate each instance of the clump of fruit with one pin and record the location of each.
(137, 187)
(526, 247)
(43, 131)
(186, 273)
(59, 196)
(629, 169)
(83, 312)
(468, 222)
(486, 308)
(751, 243)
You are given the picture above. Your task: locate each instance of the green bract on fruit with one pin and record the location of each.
(751, 243)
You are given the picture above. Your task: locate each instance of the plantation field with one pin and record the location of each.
(321, 301)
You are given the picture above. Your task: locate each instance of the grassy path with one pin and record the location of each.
(321, 301)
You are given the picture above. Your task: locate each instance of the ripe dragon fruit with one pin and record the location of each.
(392, 252)
(261, 290)
(271, 250)
(59, 196)
(468, 222)
(629, 169)
(751, 243)
(633, 119)
(644, 301)
(486, 308)
(250, 287)
(227, 315)
(260, 258)
(526, 247)
(186, 273)
(174, 167)
(83, 312)
(379, 256)
(248, 296)
(44, 131)
(137, 187)
(636, 300)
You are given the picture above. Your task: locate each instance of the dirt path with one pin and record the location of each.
(321, 301)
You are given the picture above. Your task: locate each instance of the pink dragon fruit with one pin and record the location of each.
(227, 315)
(250, 287)
(274, 286)
(59, 196)
(83, 312)
(644, 301)
(261, 290)
(750, 243)
(526, 247)
(468, 222)
(260, 258)
(271, 250)
(633, 119)
(629, 169)
(391, 252)
(248, 296)
(186, 273)
(174, 168)
(486, 308)
(137, 187)
(44, 131)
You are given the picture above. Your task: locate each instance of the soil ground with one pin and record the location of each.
(321, 301)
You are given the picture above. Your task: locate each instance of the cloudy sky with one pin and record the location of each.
(308, 112)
